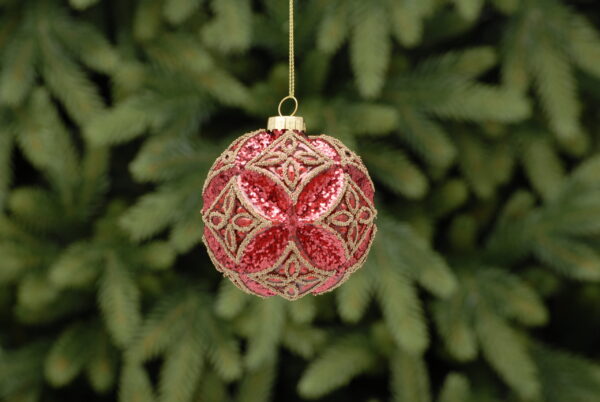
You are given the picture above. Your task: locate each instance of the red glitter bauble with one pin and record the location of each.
(288, 214)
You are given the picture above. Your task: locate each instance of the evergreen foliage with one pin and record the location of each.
(478, 121)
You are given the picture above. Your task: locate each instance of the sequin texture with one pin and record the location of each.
(288, 214)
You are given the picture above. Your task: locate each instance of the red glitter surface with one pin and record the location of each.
(254, 146)
(322, 247)
(264, 250)
(325, 148)
(288, 214)
(269, 199)
(214, 187)
(320, 195)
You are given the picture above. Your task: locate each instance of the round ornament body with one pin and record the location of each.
(288, 214)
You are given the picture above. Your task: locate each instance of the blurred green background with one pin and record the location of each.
(478, 120)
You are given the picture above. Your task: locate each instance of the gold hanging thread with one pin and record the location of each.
(291, 121)
(291, 67)
(292, 80)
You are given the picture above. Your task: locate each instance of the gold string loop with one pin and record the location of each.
(295, 105)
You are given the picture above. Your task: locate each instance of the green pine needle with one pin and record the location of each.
(303, 340)
(338, 364)
(453, 321)
(177, 11)
(456, 388)
(230, 300)
(397, 297)
(566, 377)
(18, 73)
(182, 369)
(303, 311)
(333, 30)
(262, 345)
(507, 354)
(69, 354)
(163, 326)
(257, 384)
(370, 50)
(135, 385)
(119, 300)
(410, 381)
(353, 298)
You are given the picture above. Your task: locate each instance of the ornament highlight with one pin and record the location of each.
(288, 214)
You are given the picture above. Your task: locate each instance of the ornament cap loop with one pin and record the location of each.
(286, 123)
(289, 97)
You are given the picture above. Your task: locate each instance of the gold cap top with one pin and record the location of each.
(286, 123)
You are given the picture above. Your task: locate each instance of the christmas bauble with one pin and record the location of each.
(286, 213)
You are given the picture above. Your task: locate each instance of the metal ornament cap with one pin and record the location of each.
(286, 123)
